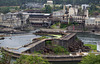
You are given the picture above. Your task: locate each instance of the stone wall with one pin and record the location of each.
(36, 48)
(62, 42)
(91, 27)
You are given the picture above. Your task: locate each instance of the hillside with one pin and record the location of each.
(20, 2)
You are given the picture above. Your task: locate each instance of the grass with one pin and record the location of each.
(48, 42)
(43, 37)
(55, 36)
(59, 50)
(93, 47)
(63, 25)
(55, 26)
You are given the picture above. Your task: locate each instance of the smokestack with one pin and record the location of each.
(87, 13)
(64, 8)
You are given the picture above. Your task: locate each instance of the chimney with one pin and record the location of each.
(64, 8)
(87, 13)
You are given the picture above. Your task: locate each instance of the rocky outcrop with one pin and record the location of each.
(78, 46)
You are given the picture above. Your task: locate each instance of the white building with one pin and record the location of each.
(73, 11)
(68, 5)
(86, 13)
(49, 2)
(84, 6)
(92, 21)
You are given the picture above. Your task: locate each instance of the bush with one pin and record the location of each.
(53, 26)
(48, 42)
(91, 59)
(43, 37)
(60, 50)
(94, 47)
(25, 59)
(63, 25)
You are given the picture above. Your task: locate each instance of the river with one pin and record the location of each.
(88, 38)
(20, 40)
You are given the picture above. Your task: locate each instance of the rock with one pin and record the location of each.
(77, 45)
(2, 38)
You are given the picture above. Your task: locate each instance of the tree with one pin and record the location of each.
(5, 58)
(93, 10)
(91, 59)
(48, 9)
(25, 59)
(4, 10)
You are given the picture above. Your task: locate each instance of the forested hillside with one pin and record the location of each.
(20, 2)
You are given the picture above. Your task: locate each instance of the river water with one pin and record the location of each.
(88, 38)
(20, 40)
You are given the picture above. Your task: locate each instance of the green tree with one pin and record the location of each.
(93, 10)
(60, 50)
(48, 9)
(54, 26)
(91, 59)
(5, 58)
(25, 59)
(4, 10)
(20, 2)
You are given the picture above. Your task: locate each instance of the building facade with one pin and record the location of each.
(14, 19)
(92, 21)
(73, 11)
(40, 19)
